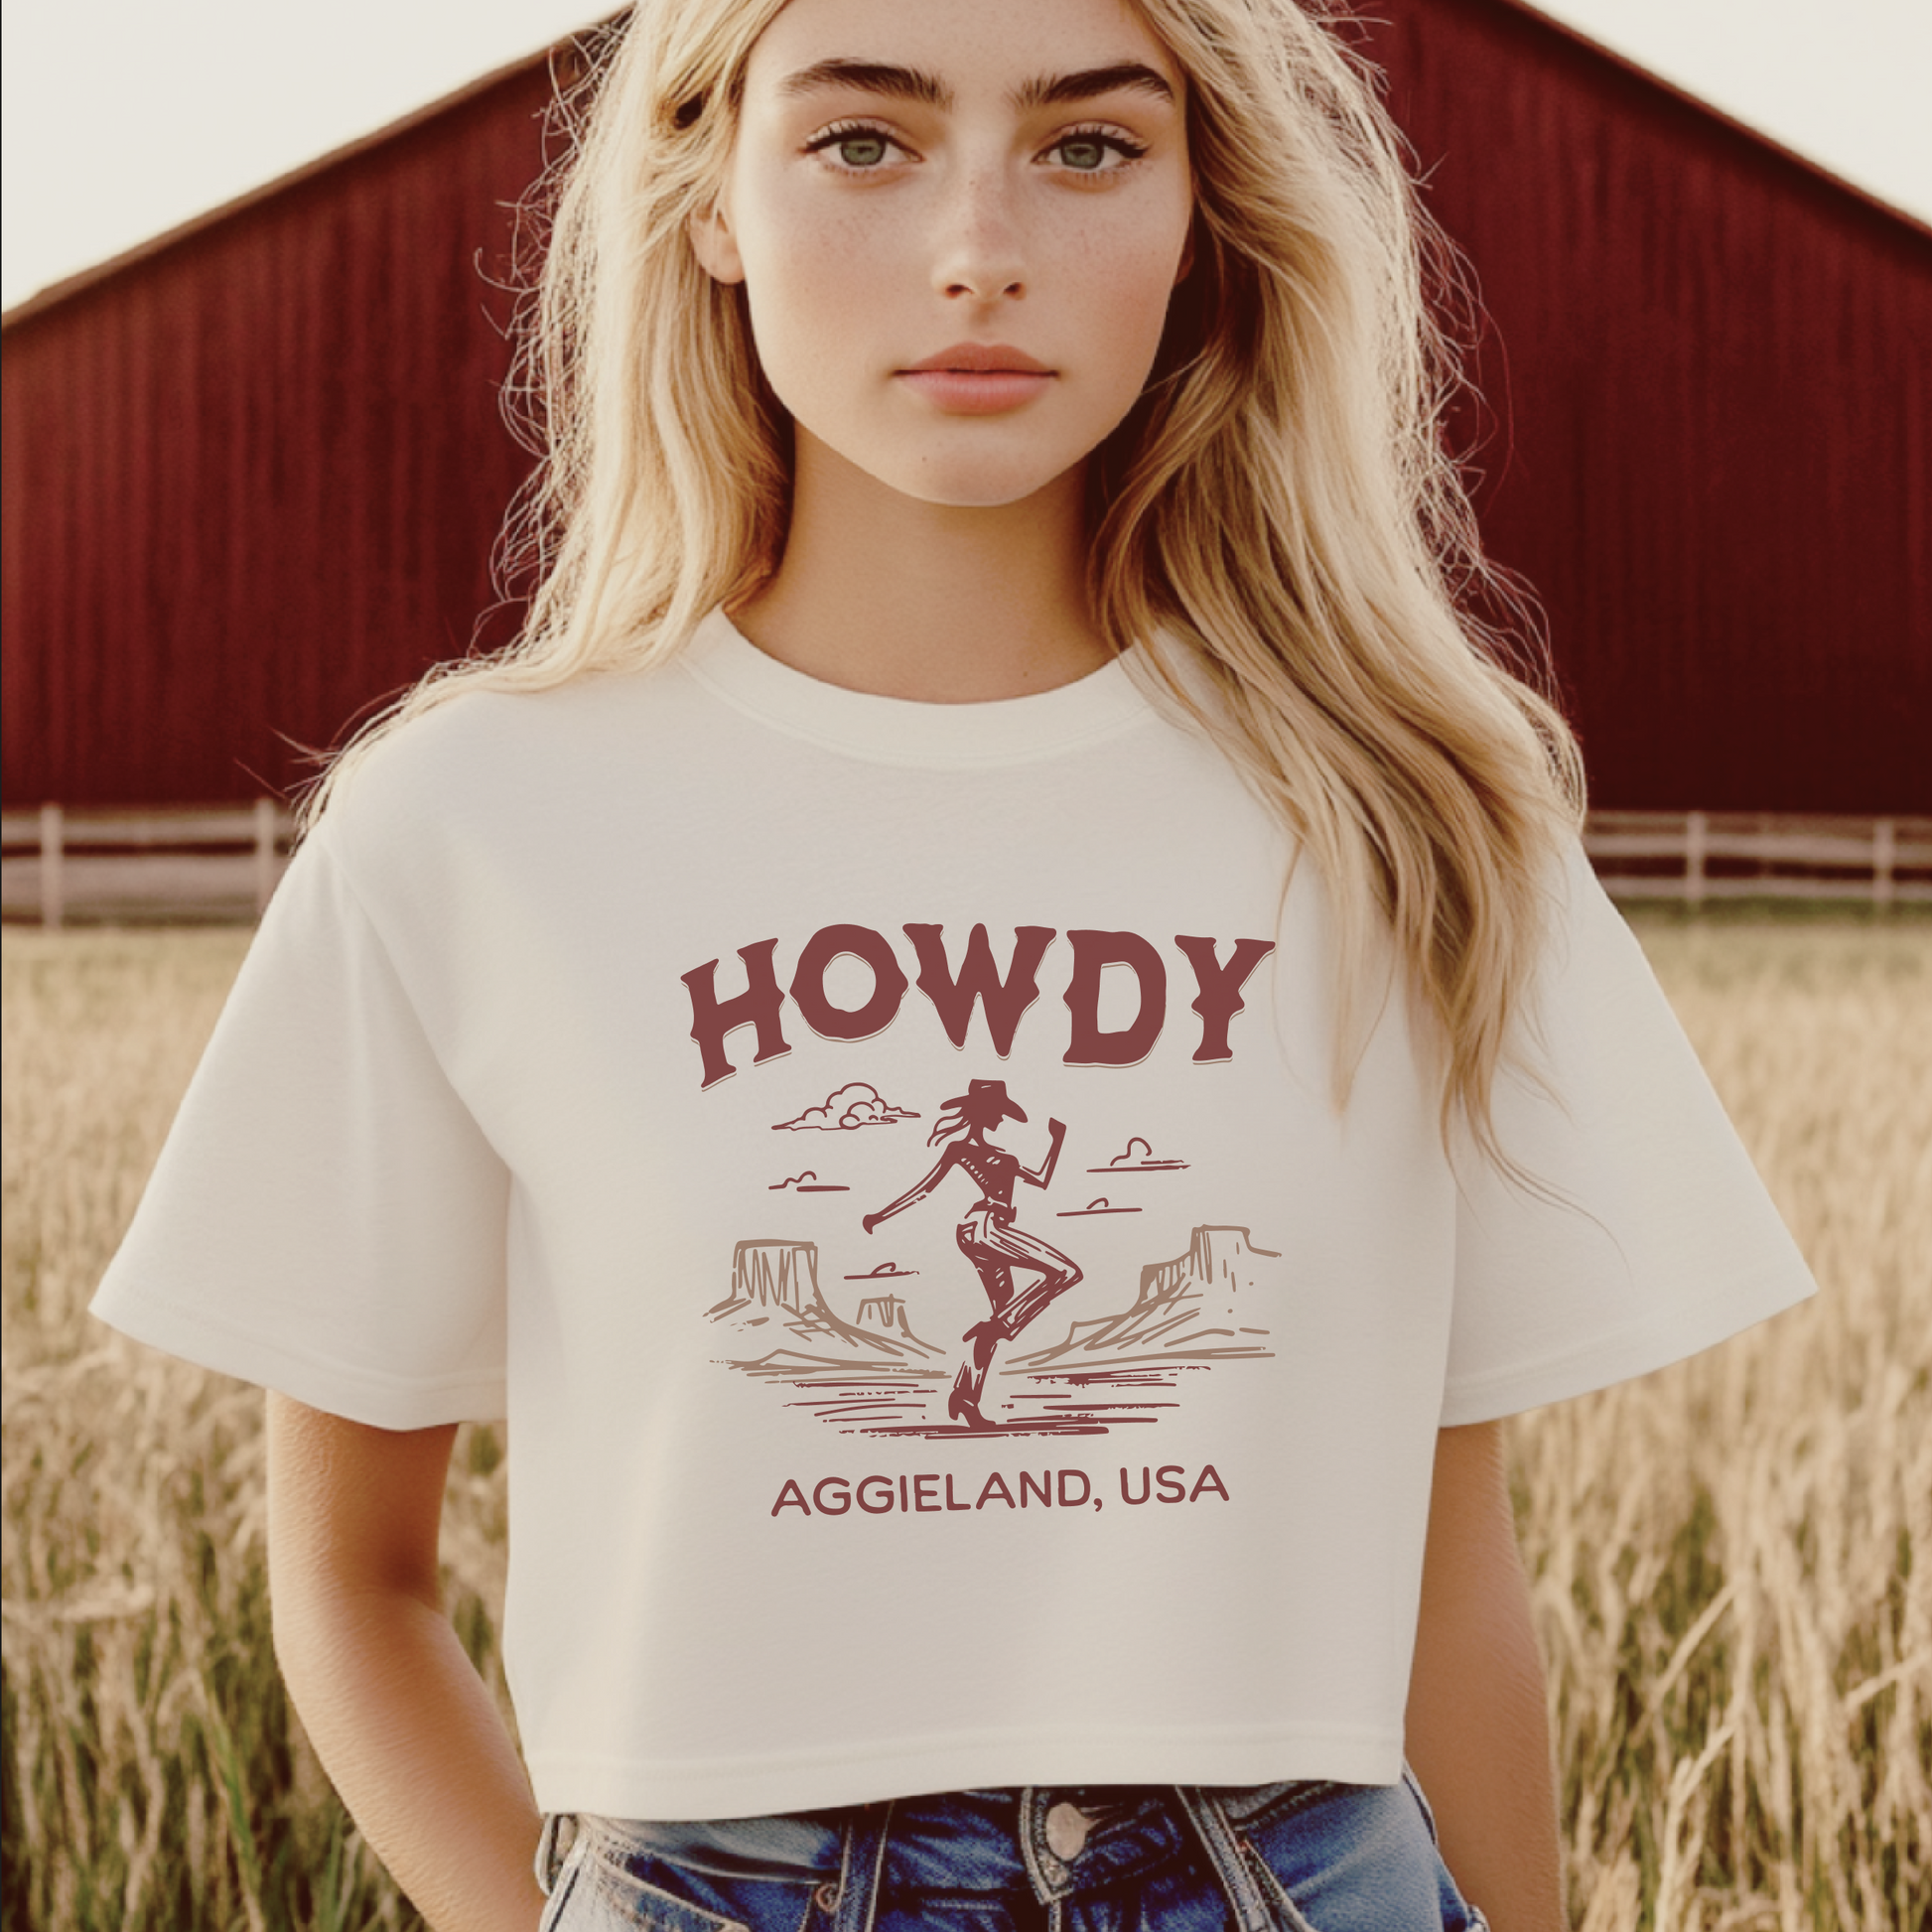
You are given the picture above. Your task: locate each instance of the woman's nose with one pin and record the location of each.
(980, 254)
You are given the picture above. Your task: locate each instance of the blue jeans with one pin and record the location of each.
(1301, 1857)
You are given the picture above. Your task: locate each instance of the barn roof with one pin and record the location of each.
(254, 467)
(1770, 152)
(319, 170)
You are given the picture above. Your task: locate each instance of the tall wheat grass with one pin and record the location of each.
(1733, 1558)
(1730, 1559)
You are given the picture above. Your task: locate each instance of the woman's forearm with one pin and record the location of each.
(402, 1723)
(413, 1742)
(1477, 1728)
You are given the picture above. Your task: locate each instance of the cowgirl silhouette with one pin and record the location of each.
(986, 1236)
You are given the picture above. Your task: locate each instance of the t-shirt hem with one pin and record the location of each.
(354, 1393)
(1669, 1336)
(567, 1781)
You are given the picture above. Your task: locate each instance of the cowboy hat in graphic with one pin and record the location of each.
(980, 1100)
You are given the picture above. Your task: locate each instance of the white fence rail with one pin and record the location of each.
(1693, 858)
(110, 866)
(141, 867)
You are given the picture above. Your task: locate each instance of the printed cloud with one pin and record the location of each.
(856, 1104)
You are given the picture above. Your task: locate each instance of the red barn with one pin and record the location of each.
(253, 470)
(1713, 447)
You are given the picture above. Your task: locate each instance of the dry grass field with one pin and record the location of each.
(1730, 1559)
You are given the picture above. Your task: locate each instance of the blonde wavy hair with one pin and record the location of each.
(1279, 507)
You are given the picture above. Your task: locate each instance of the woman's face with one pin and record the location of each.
(924, 187)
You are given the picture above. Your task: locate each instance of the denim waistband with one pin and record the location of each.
(1058, 1842)
(1075, 1858)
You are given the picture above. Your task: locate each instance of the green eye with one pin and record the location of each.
(861, 150)
(1085, 153)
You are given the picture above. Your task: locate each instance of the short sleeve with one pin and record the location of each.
(1645, 1234)
(326, 1217)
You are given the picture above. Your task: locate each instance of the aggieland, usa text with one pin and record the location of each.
(940, 1495)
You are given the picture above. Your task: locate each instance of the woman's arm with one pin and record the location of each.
(917, 1192)
(1478, 1735)
(400, 1719)
(1043, 1175)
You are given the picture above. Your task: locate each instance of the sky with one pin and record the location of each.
(119, 119)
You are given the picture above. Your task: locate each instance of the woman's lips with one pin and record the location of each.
(978, 378)
(977, 392)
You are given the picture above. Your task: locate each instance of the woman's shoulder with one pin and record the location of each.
(488, 768)
(482, 743)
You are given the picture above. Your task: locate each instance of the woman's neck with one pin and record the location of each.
(880, 591)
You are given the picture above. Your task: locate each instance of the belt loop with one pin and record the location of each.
(1229, 1859)
(554, 1840)
(863, 1865)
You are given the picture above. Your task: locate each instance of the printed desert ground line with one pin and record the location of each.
(1184, 1314)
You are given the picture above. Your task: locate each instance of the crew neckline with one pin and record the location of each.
(909, 730)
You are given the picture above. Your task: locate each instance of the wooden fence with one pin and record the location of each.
(136, 868)
(1693, 858)
(111, 868)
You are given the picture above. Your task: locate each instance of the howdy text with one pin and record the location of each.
(978, 981)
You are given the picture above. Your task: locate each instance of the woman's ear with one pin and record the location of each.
(715, 245)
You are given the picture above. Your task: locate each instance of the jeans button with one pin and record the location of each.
(1067, 1831)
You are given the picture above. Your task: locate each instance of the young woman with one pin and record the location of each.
(1000, 635)
(986, 1236)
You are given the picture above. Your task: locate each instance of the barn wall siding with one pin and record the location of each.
(253, 482)
(1710, 460)
(253, 477)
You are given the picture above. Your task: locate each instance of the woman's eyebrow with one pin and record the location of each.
(1130, 76)
(909, 83)
(870, 77)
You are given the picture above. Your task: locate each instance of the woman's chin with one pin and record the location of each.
(971, 484)
(980, 465)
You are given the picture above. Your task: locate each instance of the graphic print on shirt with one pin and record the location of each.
(874, 1375)
(989, 1237)
(856, 1104)
(874, 1369)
